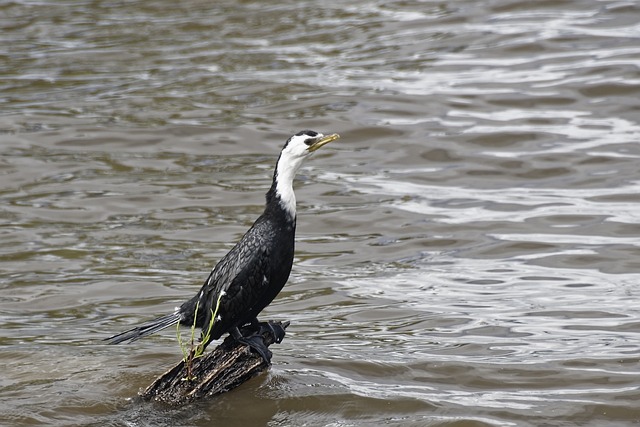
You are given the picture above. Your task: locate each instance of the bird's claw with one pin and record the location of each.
(255, 342)
(275, 329)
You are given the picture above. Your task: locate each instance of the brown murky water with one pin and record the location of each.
(468, 253)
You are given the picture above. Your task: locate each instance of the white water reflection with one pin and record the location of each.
(459, 205)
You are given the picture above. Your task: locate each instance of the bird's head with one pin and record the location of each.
(298, 148)
(295, 151)
(303, 143)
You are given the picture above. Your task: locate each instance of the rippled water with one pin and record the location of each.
(467, 253)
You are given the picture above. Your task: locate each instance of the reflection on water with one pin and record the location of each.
(467, 254)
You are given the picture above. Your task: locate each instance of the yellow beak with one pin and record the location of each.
(323, 141)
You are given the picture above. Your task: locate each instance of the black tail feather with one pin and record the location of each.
(145, 329)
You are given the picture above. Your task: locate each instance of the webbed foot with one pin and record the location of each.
(255, 342)
(275, 329)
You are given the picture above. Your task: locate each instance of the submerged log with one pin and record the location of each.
(218, 371)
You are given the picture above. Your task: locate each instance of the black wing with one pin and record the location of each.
(239, 282)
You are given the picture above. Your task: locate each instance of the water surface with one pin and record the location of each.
(467, 253)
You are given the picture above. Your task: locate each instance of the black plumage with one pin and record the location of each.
(254, 271)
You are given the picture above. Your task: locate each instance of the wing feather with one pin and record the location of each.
(243, 275)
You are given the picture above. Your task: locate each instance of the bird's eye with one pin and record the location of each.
(309, 141)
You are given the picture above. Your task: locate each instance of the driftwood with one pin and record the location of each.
(218, 371)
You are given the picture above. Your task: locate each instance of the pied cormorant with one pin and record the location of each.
(254, 271)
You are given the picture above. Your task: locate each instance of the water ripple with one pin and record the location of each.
(466, 255)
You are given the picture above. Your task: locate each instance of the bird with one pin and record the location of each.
(254, 271)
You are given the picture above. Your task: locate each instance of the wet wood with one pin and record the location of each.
(218, 371)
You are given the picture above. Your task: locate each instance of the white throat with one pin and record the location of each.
(287, 168)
